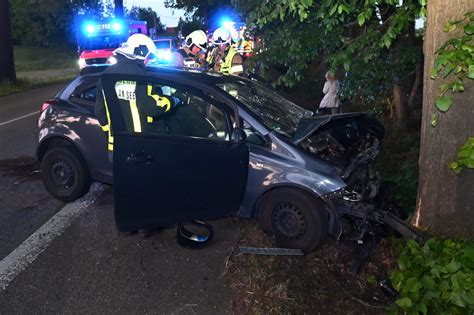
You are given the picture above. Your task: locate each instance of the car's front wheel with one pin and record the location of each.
(64, 174)
(297, 219)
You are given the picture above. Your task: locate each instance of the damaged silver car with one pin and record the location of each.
(229, 146)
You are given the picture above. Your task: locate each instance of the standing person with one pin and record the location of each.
(131, 58)
(330, 102)
(193, 53)
(223, 58)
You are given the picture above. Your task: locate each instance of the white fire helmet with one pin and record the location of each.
(221, 36)
(197, 38)
(137, 46)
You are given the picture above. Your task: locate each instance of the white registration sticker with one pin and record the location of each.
(126, 90)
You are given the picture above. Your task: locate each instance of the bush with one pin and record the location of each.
(436, 278)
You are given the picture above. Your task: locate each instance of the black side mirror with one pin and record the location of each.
(238, 135)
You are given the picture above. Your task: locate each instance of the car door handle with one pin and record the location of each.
(139, 158)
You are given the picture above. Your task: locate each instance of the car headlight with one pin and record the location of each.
(82, 63)
(112, 60)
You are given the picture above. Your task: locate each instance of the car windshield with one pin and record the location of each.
(163, 44)
(102, 42)
(277, 112)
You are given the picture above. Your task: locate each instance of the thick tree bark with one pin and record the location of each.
(399, 101)
(415, 88)
(7, 66)
(445, 200)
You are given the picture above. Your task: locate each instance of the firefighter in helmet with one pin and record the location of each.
(223, 58)
(193, 53)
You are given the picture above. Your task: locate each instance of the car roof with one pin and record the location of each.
(164, 38)
(189, 75)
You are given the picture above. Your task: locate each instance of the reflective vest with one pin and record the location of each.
(126, 90)
(226, 65)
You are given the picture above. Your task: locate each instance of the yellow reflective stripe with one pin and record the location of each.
(149, 119)
(135, 116)
(105, 128)
(160, 101)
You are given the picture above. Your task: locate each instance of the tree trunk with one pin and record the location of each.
(399, 100)
(118, 8)
(415, 88)
(445, 200)
(7, 66)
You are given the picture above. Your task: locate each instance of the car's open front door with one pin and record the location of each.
(175, 167)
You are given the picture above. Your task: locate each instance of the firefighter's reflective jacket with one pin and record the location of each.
(137, 101)
(230, 62)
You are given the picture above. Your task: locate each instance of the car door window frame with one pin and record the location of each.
(226, 108)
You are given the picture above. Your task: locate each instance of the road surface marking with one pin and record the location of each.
(18, 118)
(19, 259)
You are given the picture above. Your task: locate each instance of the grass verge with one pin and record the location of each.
(318, 283)
(44, 58)
(21, 85)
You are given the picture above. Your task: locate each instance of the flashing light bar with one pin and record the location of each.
(91, 28)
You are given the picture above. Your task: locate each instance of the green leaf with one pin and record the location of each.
(470, 74)
(422, 308)
(448, 69)
(469, 29)
(468, 298)
(456, 298)
(413, 285)
(427, 282)
(422, 2)
(404, 303)
(453, 266)
(404, 262)
(449, 27)
(443, 103)
(333, 9)
(361, 19)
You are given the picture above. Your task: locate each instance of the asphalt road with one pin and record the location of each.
(86, 266)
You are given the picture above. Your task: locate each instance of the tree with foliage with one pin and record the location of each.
(189, 25)
(204, 10)
(371, 43)
(152, 19)
(48, 22)
(445, 200)
(7, 66)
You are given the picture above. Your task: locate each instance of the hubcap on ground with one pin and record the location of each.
(62, 173)
(288, 221)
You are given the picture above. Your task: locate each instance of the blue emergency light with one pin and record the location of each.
(89, 28)
(116, 26)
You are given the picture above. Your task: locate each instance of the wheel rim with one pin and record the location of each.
(288, 221)
(62, 173)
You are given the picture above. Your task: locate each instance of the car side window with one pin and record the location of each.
(87, 95)
(165, 109)
(253, 136)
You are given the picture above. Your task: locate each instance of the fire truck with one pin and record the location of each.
(97, 39)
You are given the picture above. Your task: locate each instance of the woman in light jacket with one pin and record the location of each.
(330, 102)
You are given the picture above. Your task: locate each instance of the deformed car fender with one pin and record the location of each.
(281, 164)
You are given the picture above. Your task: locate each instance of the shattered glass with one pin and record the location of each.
(276, 112)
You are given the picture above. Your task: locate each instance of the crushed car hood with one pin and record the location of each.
(351, 124)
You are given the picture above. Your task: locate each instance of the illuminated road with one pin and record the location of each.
(57, 258)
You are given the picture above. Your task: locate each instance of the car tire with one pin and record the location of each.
(297, 219)
(65, 175)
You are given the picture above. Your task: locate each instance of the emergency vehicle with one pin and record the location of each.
(96, 40)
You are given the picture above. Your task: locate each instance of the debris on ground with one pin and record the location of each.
(319, 283)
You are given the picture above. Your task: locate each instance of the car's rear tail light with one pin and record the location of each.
(48, 103)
